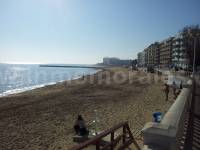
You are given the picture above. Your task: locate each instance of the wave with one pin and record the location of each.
(23, 89)
(20, 90)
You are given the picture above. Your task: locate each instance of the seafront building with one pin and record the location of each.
(158, 54)
(175, 51)
(179, 55)
(165, 55)
(141, 59)
(153, 54)
(148, 55)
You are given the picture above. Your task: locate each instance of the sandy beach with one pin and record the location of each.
(43, 118)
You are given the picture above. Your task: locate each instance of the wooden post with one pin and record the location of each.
(97, 145)
(112, 140)
(124, 134)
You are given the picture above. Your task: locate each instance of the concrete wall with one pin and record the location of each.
(165, 135)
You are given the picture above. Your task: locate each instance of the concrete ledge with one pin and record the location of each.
(165, 135)
(159, 129)
(159, 136)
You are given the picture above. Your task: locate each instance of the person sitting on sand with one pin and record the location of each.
(166, 91)
(80, 127)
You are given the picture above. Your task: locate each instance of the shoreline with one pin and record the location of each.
(29, 88)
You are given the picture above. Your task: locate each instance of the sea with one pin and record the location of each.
(16, 78)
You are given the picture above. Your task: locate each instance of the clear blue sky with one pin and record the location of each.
(84, 31)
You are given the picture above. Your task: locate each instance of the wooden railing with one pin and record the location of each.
(125, 139)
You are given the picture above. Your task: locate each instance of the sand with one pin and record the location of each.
(43, 118)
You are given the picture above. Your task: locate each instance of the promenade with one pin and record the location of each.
(180, 127)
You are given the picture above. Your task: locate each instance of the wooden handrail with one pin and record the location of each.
(97, 139)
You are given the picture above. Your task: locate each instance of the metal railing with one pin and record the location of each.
(125, 139)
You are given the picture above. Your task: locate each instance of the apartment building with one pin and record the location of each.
(141, 59)
(152, 54)
(177, 51)
(165, 52)
(179, 55)
(157, 53)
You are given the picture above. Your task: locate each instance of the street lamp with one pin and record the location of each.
(194, 53)
(194, 59)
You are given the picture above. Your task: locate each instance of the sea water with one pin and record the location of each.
(15, 78)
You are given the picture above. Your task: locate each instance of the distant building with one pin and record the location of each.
(141, 59)
(179, 54)
(147, 56)
(156, 53)
(177, 51)
(151, 55)
(115, 62)
(166, 52)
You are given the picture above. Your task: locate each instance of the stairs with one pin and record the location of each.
(191, 133)
(117, 140)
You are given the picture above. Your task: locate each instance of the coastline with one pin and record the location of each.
(43, 118)
(29, 88)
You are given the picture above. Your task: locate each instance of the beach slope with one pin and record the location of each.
(43, 118)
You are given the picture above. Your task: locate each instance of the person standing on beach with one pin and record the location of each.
(166, 90)
(181, 85)
(179, 90)
(174, 89)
